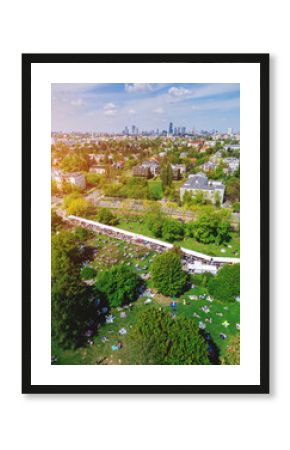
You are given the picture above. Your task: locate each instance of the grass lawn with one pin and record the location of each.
(137, 224)
(230, 313)
(110, 251)
(231, 248)
(102, 353)
(155, 188)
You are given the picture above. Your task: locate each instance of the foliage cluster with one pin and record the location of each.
(160, 339)
(167, 274)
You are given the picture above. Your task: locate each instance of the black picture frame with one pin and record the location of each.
(27, 61)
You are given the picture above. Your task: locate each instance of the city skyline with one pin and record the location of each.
(148, 106)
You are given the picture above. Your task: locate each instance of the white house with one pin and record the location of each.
(233, 164)
(74, 178)
(210, 143)
(210, 165)
(232, 147)
(200, 183)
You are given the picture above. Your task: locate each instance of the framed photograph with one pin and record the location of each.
(145, 223)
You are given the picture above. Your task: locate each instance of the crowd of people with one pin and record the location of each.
(137, 240)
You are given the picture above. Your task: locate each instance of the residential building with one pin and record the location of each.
(140, 171)
(232, 147)
(180, 167)
(98, 169)
(154, 166)
(210, 143)
(74, 178)
(197, 143)
(119, 164)
(147, 169)
(233, 164)
(176, 174)
(200, 183)
(209, 166)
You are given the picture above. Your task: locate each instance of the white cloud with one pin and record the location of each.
(131, 111)
(214, 89)
(178, 91)
(138, 87)
(76, 102)
(110, 109)
(158, 110)
(110, 106)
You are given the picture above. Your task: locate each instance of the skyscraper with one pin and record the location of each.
(170, 129)
(133, 129)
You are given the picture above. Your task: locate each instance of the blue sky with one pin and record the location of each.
(110, 107)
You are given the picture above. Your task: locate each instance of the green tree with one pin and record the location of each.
(200, 198)
(79, 207)
(167, 274)
(118, 285)
(107, 217)
(94, 179)
(166, 176)
(135, 188)
(225, 286)
(70, 309)
(236, 207)
(155, 220)
(233, 190)
(217, 199)
(68, 188)
(157, 338)
(81, 234)
(76, 205)
(54, 188)
(188, 199)
(87, 273)
(172, 230)
(210, 228)
(75, 163)
(56, 221)
(70, 197)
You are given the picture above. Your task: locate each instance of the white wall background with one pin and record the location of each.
(74, 422)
